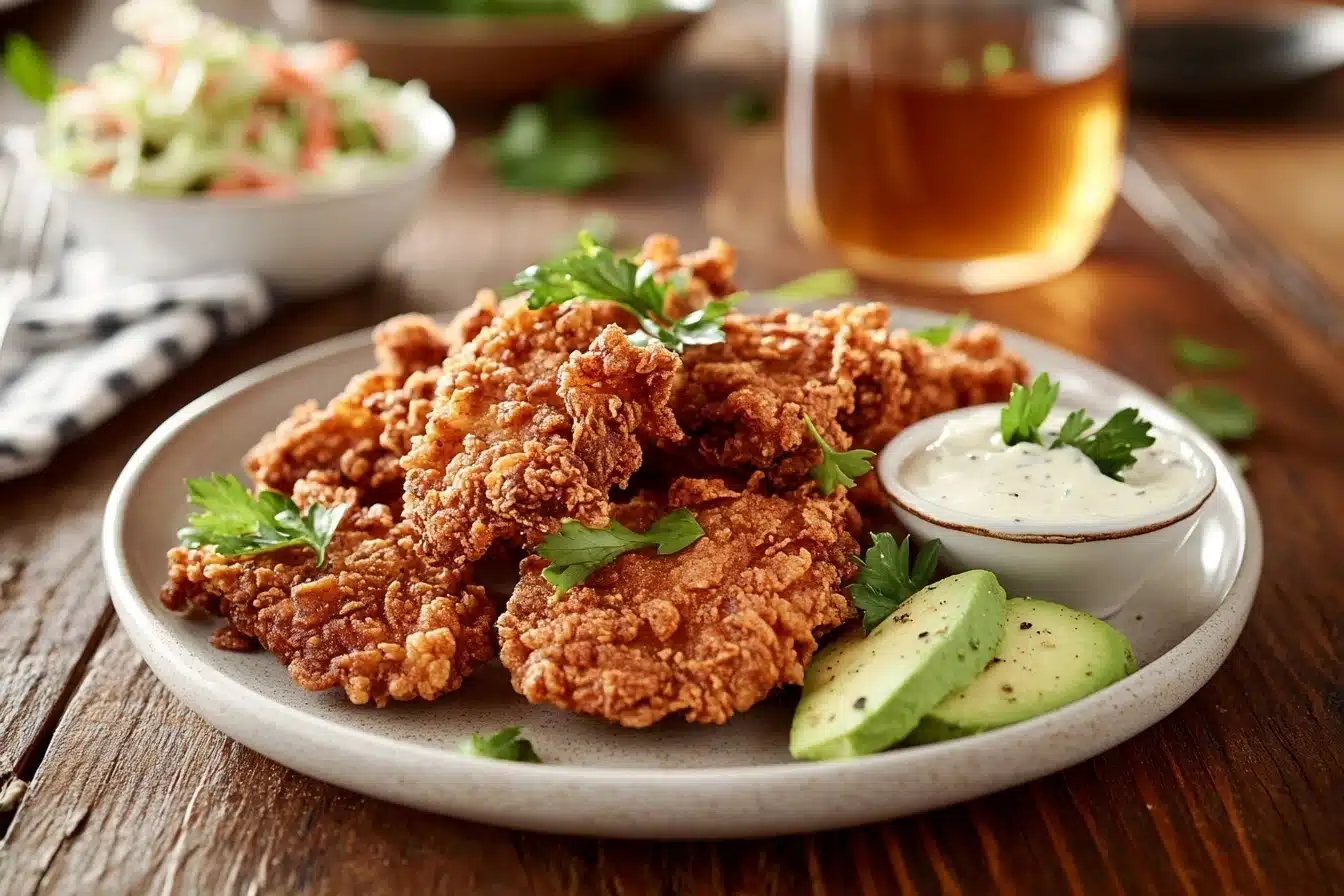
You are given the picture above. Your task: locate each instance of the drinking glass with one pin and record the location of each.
(962, 145)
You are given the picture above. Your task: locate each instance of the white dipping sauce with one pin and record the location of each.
(968, 468)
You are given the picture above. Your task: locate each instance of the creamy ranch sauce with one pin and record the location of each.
(968, 469)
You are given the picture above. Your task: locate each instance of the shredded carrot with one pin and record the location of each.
(319, 132)
(102, 168)
(165, 58)
(336, 55)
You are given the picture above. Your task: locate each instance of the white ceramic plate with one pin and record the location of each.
(675, 780)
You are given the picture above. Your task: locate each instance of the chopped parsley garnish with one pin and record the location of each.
(1203, 356)
(885, 578)
(27, 68)
(1217, 410)
(1028, 406)
(836, 467)
(237, 524)
(576, 551)
(506, 744)
(833, 283)
(1111, 448)
(563, 147)
(594, 273)
(939, 334)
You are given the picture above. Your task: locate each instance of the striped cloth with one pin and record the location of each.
(74, 358)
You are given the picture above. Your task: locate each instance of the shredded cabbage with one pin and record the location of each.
(199, 104)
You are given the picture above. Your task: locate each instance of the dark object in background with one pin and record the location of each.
(1233, 57)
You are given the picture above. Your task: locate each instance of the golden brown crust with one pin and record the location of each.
(377, 621)
(704, 633)
(536, 421)
(357, 440)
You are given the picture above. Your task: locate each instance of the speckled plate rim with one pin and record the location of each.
(738, 801)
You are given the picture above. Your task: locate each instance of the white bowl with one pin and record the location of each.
(302, 246)
(1094, 567)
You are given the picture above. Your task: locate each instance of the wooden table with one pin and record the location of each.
(108, 785)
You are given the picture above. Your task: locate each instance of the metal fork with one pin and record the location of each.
(32, 236)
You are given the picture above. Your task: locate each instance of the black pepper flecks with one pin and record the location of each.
(1024, 626)
(923, 634)
(861, 703)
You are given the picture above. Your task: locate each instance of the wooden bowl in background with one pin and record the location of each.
(491, 60)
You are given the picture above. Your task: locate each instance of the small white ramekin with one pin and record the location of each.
(1094, 567)
(303, 246)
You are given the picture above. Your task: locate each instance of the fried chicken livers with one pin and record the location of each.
(704, 633)
(356, 441)
(378, 621)
(538, 418)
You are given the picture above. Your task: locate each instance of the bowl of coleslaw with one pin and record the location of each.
(204, 146)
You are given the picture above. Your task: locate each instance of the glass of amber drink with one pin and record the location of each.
(960, 145)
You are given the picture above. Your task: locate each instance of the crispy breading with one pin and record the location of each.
(742, 402)
(377, 621)
(357, 439)
(705, 633)
(539, 417)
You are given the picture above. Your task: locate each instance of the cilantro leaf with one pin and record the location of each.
(27, 68)
(939, 334)
(1217, 410)
(1194, 353)
(1028, 406)
(836, 467)
(237, 524)
(885, 579)
(506, 744)
(832, 283)
(576, 551)
(1112, 446)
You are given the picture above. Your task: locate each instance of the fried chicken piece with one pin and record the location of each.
(972, 368)
(742, 402)
(706, 632)
(357, 440)
(378, 621)
(538, 418)
(709, 272)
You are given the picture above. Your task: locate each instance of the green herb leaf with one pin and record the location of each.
(1217, 410)
(1201, 355)
(750, 107)
(833, 283)
(837, 467)
(576, 551)
(941, 333)
(506, 744)
(885, 579)
(27, 67)
(237, 524)
(1112, 446)
(593, 272)
(1028, 406)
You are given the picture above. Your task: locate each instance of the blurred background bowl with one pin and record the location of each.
(305, 246)
(481, 60)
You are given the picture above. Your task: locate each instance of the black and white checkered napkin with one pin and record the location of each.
(75, 357)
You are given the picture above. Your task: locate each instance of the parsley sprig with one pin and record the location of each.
(594, 273)
(886, 579)
(577, 551)
(506, 743)
(836, 467)
(1218, 411)
(237, 524)
(27, 67)
(939, 334)
(1111, 448)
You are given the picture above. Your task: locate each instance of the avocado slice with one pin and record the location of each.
(863, 694)
(1050, 656)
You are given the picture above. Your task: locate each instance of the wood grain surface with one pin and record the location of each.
(122, 790)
